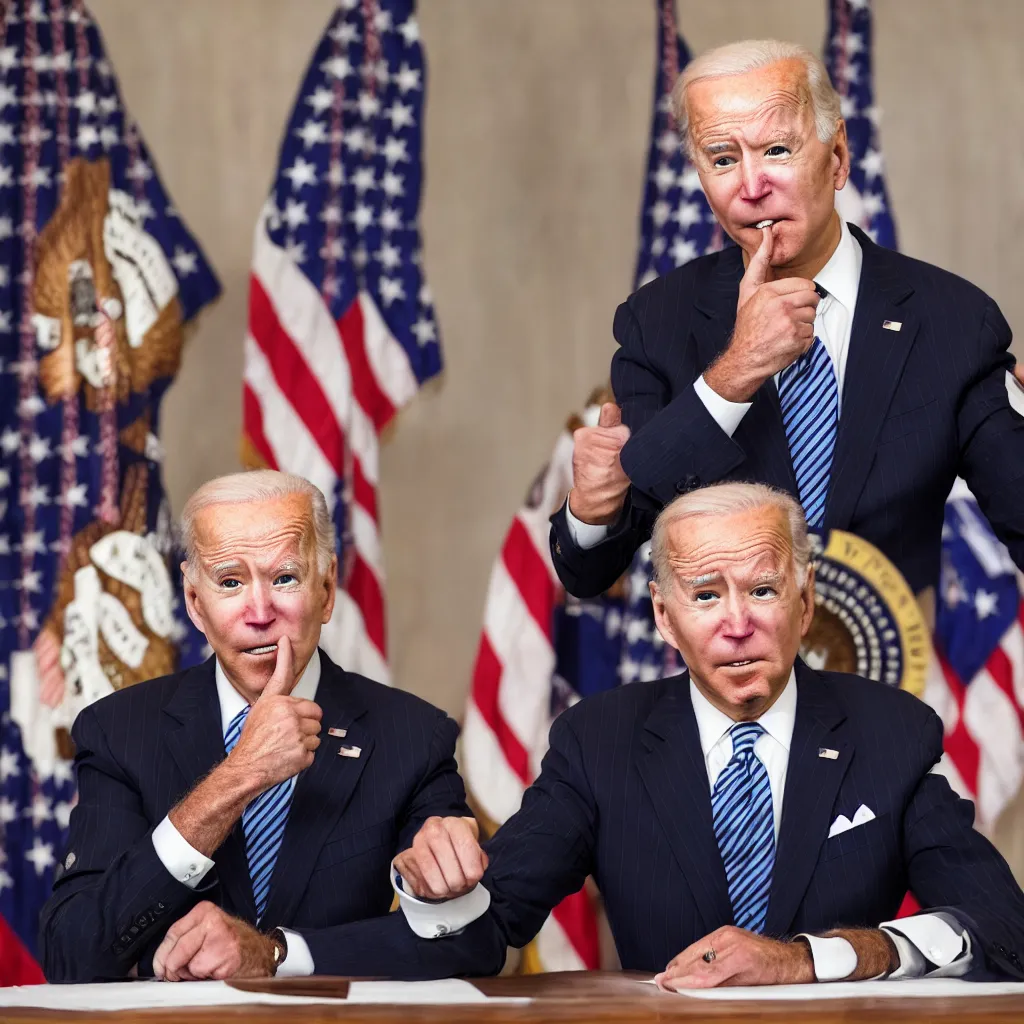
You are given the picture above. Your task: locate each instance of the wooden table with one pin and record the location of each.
(567, 997)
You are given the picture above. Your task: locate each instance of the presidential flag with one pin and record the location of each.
(342, 331)
(98, 278)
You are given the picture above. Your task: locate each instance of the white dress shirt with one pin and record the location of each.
(926, 939)
(187, 864)
(833, 321)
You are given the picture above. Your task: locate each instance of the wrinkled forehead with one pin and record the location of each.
(255, 530)
(777, 95)
(745, 544)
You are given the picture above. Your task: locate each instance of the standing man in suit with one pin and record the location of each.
(859, 380)
(238, 819)
(782, 813)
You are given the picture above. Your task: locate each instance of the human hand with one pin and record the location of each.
(774, 327)
(208, 943)
(599, 484)
(740, 958)
(281, 732)
(445, 859)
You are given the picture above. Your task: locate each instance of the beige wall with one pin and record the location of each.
(537, 123)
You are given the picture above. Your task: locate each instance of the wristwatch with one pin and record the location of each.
(280, 947)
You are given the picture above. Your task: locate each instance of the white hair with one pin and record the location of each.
(751, 55)
(727, 500)
(259, 485)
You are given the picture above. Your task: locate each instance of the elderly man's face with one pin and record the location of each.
(256, 580)
(734, 609)
(759, 158)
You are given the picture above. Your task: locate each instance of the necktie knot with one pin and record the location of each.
(744, 736)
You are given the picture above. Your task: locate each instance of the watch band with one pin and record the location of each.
(280, 947)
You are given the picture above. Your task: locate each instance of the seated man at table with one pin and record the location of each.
(238, 819)
(753, 821)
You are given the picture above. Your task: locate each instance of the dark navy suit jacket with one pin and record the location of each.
(623, 795)
(920, 406)
(140, 750)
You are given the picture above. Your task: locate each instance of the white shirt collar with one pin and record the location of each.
(231, 701)
(840, 277)
(777, 721)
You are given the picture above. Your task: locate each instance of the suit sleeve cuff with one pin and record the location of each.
(299, 961)
(728, 415)
(930, 946)
(182, 860)
(585, 535)
(448, 917)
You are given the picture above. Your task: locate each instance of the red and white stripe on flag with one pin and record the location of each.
(504, 736)
(317, 391)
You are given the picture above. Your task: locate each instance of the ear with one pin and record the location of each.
(330, 585)
(661, 617)
(807, 601)
(191, 600)
(840, 157)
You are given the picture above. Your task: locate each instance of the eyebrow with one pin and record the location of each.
(783, 139)
(708, 577)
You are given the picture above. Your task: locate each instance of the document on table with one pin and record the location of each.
(917, 988)
(153, 995)
(140, 995)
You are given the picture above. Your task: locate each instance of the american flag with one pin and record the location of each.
(977, 683)
(98, 276)
(342, 330)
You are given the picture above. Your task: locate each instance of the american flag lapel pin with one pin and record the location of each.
(340, 733)
(892, 325)
(349, 751)
(828, 753)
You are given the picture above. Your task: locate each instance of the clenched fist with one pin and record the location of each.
(444, 861)
(208, 943)
(281, 732)
(599, 484)
(774, 327)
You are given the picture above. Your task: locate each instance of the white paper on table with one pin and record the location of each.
(141, 995)
(915, 988)
(448, 992)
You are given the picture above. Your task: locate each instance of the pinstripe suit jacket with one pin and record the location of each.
(623, 795)
(920, 406)
(140, 750)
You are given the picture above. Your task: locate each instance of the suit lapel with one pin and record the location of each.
(196, 744)
(874, 366)
(812, 783)
(676, 779)
(761, 430)
(321, 793)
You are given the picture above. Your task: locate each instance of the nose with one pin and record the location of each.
(737, 624)
(755, 184)
(259, 612)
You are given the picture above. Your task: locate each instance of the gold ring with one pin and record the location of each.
(708, 956)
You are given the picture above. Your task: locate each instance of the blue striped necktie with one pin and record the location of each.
(810, 413)
(263, 822)
(745, 828)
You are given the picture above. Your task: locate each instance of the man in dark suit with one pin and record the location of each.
(753, 822)
(859, 380)
(239, 818)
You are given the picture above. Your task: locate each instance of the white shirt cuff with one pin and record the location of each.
(726, 414)
(435, 920)
(936, 938)
(585, 535)
(182, 860)
(834, 957)
(299, 961)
